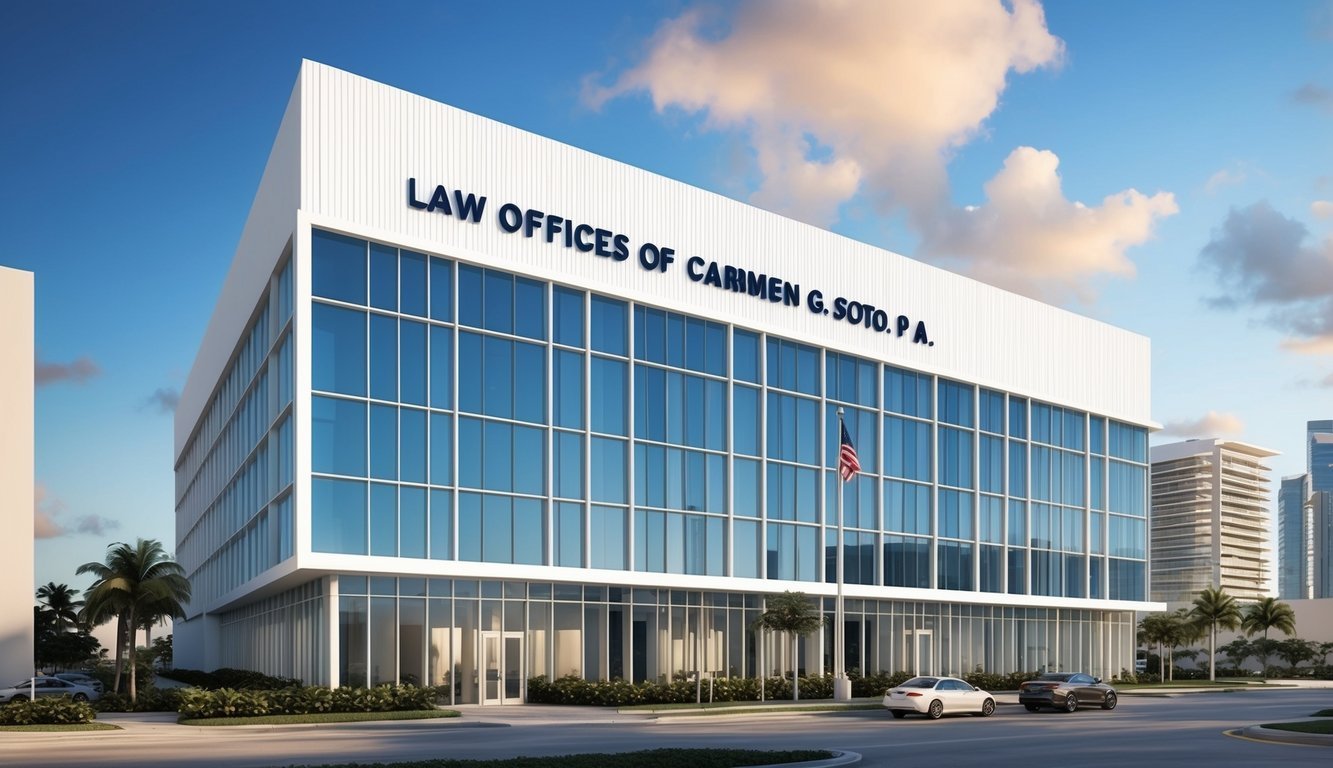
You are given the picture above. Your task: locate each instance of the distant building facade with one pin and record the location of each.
(1209, 523)
(1305, 520)
(1293, 540)
(16, 473)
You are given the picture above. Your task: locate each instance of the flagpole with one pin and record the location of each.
(841, 690)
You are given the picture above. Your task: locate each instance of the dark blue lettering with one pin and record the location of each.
(510, 218)
(621, 243)
(733, 279)
(839, 308)
(553, 226)
(532, 219)
(880, 321)
(815, 301)
(649, 256)
(774, 290)
(470, 207)
(581, 233)
(603, 238)
(412, 194)
(692, 266)
(440, 201)
(902, 324)
(713, 278)
(791, 295)
(920, 336)
(755, 283)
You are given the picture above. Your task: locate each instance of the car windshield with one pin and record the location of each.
(921, 682)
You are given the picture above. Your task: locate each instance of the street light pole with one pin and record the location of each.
(842, 688)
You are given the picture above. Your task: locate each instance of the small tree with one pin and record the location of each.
(1324, 650)
(1237, 651)
(1215, 608)
(1294, 651)
(794, 614)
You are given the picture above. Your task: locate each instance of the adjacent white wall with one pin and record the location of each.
(17, 589)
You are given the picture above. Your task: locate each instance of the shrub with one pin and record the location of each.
(194, 703)
(226, 677)
(47, 711)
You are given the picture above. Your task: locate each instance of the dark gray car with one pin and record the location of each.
(1066, 691)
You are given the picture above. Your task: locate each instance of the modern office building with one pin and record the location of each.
(476, 406)
(1209, 520)
(1294, 542)
(1305, 520)
(1319, 454)
(16, 472)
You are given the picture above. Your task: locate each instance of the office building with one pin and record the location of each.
(17, 589)
(476, 406)
(1209, 520)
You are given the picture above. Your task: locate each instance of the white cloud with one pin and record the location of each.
(1030, 238)
(1211, 424)
(45, 509)
(1223, 178)
(1322, 209)
(840, 98)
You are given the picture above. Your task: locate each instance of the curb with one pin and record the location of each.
(1260, 733)
(840, 757)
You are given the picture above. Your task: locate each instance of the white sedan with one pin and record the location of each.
(938, 696)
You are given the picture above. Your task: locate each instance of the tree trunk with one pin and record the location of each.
(120, 650)
(1212, 653)
(796, 668)
(134, 667)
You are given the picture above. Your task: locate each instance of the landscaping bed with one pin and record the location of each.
(652, 758)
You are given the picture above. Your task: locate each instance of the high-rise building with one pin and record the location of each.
(16, 472)
(1294, 538)
(1319, 454)
(1321, 544)
(1209, 520)
(476, 406)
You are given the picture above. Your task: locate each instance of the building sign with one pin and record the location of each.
(619, 247)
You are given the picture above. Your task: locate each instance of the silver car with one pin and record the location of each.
(47, 686)
(81, 678)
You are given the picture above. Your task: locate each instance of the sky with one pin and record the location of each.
(1164, 167)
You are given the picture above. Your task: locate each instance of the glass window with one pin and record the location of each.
(441, 525)
(906, 562)
(906, 507)
(745, 356)
(1018, 417)
(746, 493)
(383, 357)
(1128, 442)
(412, 445)
(412, 362)
(990, 516)
(384, 442)
(497, 529)
(383, 519)
(498, 377)
(338, 267)
(1018, 523)
(955, 560)
(955, 514)
(1097, 435)
(498, 309)
(567, 465)
(1017, 571)
(793, 366)
(609, 393)
(567, 378)
(851, 379)
(1128, 488)
(608, 538)
(955, 457)
(992, 569)
(745, 426)
(567, 316)
(745, 549)
(608, 319)
(529, 308)
(338, 350)
(991, 470)
(1018, 469)
(441, 289)
(337, 516)
(907, 392)
(529, 531)
(471, 296)
(955, 403)
(413, 274)
(441, 367)
(608, 470)
(383, 277)
(441, 449)
(567, 534)
(906, 448)
(992, 411)
(338, 436)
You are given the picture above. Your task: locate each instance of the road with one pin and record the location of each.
(1143, 731)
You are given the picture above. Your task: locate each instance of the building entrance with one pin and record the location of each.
(502, 667)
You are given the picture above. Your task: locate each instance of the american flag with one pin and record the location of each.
(848, 464)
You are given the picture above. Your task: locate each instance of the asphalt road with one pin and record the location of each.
(1143, 731)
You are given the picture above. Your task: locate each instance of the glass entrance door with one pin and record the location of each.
(920, 651)
(502, 667)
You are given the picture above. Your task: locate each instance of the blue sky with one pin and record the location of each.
(1192, 202)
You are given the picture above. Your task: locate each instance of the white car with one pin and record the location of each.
(938, 696)
(47, 687)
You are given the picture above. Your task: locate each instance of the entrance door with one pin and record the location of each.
(920, 650)
(502, 667)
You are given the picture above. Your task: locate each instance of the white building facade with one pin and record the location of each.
(16, 472)
(476, 406)
(1210, 520)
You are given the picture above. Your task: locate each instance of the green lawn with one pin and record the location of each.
(65, 727)
(323, 717)
(652, 758)
(1323, 713)
(1317, 726)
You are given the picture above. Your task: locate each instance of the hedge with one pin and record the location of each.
(228, 702)
(227, 677)
(46, 711)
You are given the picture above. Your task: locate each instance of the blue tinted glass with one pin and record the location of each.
(529, 460)
(441, 525)
(499, 306)
(955, 457)
(567, 465)
(383, 277)
(412, 362)
(412, 523)
(608, 470)
(471, 297)
(745, 549)
(441, 367)
(530, 308)
(338, 267)
(529, 532)
(469, 527)
(745, 361)
(498, 377)
(337, 516)
(498, 457)
(675, 340)
(567, 379)
(470, 370)
(413, 271)
(384, 442)
(469, 461)
(567, 316)
(609, 396)
(338, 436)
(338, 350)
(745, 427)
(530, 382)
(383, 357)
(992, 411)
(1073, 430)
(955, 561)
(746, 488)
(992, 464)
(715, 349)
(1097, 435)
(608, 319)
(441, 449)
(567, 535)
(441, 289)
(497, 529)
(383, 519)
(955, 403)
(696, 345)
(608, 538)
(412, 440)
(1018, 417)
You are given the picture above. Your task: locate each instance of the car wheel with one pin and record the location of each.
(988, 707)
(1110, 701)
(898, 714)
(80, 697)
(936, 709)
(1071, 702)
(1031, 707)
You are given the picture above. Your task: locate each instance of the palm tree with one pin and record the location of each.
(59, 603)
(1179, 630)
(1155, 629)
(1266, 614)
(1215, 608)
(135, 583)
(793, 613)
